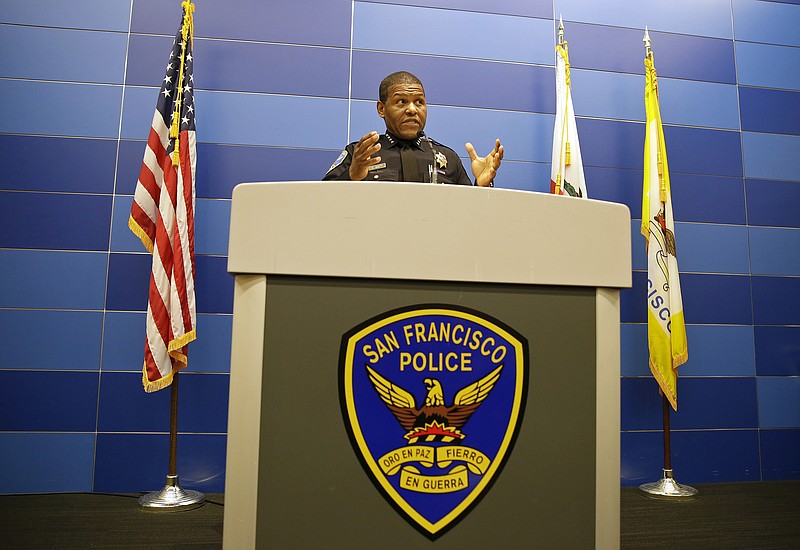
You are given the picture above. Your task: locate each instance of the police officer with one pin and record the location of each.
(404, 152)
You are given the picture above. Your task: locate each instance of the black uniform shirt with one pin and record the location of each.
(429, 154)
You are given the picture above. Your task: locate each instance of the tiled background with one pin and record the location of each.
(281, 87)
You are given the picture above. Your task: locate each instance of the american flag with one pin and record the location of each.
(162, 216)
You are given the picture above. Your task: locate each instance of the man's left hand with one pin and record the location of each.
(485, 168)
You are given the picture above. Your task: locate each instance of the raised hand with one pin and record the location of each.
(485, 168)
(362, 156)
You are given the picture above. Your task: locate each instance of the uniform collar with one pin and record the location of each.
(396, 141)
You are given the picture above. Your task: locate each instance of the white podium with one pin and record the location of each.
(314, 261)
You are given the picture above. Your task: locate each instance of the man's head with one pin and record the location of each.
(402, 104)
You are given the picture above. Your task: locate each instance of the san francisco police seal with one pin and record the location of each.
(433, 398)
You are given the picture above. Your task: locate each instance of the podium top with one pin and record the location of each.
(428, 232)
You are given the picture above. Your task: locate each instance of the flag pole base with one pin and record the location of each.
(667, 488)
(172, 497)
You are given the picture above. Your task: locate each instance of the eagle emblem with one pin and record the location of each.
(433, 421)
(432, 398)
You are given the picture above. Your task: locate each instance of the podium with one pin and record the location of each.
(337, 280)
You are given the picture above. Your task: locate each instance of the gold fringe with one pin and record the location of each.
(139, 232)
(182, 341)
(154, 386)
(662, 384)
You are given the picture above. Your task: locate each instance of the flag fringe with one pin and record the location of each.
(182, 341)
(155, 385)
(663, 385)
(141, 233)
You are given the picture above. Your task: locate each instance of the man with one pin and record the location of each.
(404, 152)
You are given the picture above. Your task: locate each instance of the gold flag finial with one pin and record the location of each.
(560, 30)
(646, 41)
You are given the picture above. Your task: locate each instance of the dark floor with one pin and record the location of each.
(725, 515)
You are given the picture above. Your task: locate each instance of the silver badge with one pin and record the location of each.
(441, 160)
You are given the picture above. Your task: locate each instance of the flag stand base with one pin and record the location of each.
(667, 488)
(172, 497)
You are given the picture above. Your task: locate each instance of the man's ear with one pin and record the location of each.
(381, 109)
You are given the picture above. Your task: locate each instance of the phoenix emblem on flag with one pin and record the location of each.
(433, 456)
(666, 243)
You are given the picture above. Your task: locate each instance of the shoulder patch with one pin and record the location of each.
(338, 161)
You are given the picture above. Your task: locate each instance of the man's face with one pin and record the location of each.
(405, 110)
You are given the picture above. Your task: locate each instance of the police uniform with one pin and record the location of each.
(430, 155)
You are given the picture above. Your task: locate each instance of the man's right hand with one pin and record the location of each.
(362, 156)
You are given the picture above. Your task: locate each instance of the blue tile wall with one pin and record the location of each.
(707, 299)
(280, 89)
(454, 35)
(710, 199)
(63, 340)
(774, 203)
(779, 402)
(777, 350)
(44, 279)
(770, 251)
(21, 166)
(770, 111)
(779, 451)
(776, 300)
(58, 54)
(698, 456)
(720, 154)
(771, 156)
(768, 22)
(59, 109)
(200, 462)
(768, 66)
(46, 462)
(528, 8)
(298, 22)
(716, 350)
(48, 401)
(38, 220)
(707, 18)
(716, 403)
(106, 15)
(227, 66)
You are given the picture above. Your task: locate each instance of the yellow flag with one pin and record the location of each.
(666, 329)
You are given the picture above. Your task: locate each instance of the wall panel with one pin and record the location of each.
(62, 54)
(707, 18)
(324, 23)
(280, 89)
(59, 109)
(455, 33)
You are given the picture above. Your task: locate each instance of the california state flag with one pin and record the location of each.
(566, 175)
(666, 330)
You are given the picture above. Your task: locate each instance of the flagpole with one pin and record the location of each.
(172, 496)
(171, 351)
(666, 487)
